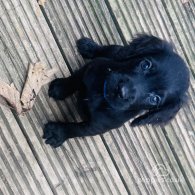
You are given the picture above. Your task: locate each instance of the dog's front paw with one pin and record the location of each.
(56, 89)
(87, 47)
(55, 134)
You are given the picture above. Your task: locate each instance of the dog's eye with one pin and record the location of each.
(154, 99)
(146, 64)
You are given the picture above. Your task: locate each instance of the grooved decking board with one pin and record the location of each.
(28, 166)
(115, 21)
(173, 21)
(121, 161)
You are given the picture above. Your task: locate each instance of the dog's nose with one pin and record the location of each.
(123, 92)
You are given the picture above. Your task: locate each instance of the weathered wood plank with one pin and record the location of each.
(92, 18)
(120, 162)
(154, 17)
(72, 169)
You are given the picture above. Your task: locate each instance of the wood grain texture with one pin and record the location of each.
(123, 161)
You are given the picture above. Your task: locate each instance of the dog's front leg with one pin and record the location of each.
(61, 88)
(56, 133)
(90, 49)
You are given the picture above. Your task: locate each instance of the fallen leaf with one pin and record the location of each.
(11, 95)
(37, 77)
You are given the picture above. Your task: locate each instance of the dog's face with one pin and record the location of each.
(154, 80)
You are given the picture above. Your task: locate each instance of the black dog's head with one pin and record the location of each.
(154, 80)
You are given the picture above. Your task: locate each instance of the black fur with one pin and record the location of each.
(145, 80)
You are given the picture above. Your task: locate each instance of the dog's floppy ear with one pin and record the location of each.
(149, 44)
(158, 116)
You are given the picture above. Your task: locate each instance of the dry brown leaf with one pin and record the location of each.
(2, 101)
(37, 77)
(41, 2)
(11, 95)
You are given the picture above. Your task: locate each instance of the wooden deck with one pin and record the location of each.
(128, 160)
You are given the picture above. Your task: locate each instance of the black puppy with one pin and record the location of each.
(146, 79)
